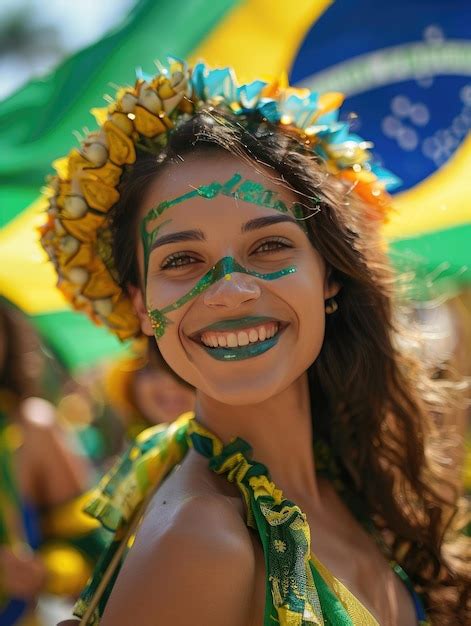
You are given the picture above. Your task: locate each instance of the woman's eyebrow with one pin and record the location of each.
(198, 235)
(183, 235)
(268, 220)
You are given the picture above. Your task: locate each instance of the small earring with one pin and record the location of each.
(331, 306)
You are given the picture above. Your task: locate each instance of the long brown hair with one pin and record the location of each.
(376, 406)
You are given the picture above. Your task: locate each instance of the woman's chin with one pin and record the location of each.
(244, 389)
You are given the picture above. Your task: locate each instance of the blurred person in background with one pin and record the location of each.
(47, 545)
(144, 391)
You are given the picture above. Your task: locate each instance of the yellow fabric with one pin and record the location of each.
(255, 48)
(355, 609)
(155, 453)
(438, 202)
(260, 38)
(30, 281)
(68, 520)
(235, 467)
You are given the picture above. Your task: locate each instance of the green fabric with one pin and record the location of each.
(36, 122)
(424, 255)
(332, 609)
(121, 492)
(283, 530)
(75, 341)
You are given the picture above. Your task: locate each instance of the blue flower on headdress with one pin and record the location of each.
(299, 111)
(389, 180)
(214, 84)
(197, 80)
(249, 95)
(221, 83)
(334, 142)
(268, 108)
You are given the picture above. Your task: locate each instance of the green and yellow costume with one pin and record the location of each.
(300, 591)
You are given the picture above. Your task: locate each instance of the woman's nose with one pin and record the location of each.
(231, 291)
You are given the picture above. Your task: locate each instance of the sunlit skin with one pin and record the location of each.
(160, 397)
(264, 399)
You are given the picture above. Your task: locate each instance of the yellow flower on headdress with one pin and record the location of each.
(109, 173)
(84, 228)
(121, 146)
(148, 124)
(98, 194)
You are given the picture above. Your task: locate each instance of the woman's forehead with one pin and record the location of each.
(196, 182)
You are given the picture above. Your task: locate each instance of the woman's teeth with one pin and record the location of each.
(234, 339)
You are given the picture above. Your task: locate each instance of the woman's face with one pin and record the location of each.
(235, 287)
(160, 396)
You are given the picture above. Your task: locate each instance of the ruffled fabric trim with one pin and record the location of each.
(154, 453)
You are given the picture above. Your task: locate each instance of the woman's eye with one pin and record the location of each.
(272, 245)
(179, 259)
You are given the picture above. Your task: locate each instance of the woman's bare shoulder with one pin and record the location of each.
(192, 560)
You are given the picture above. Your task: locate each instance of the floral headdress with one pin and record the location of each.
(76, 236)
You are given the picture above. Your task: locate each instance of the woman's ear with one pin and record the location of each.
(137, 300)
(331, 286)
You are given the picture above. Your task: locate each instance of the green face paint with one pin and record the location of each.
(247, 190)
(148, 240)
(237, 188)
(223, 269)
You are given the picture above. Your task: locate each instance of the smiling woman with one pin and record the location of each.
(247, 236)
(225, 266)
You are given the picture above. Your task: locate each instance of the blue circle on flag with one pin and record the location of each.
(406, 73)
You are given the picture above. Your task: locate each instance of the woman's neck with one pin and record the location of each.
(279, 431)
